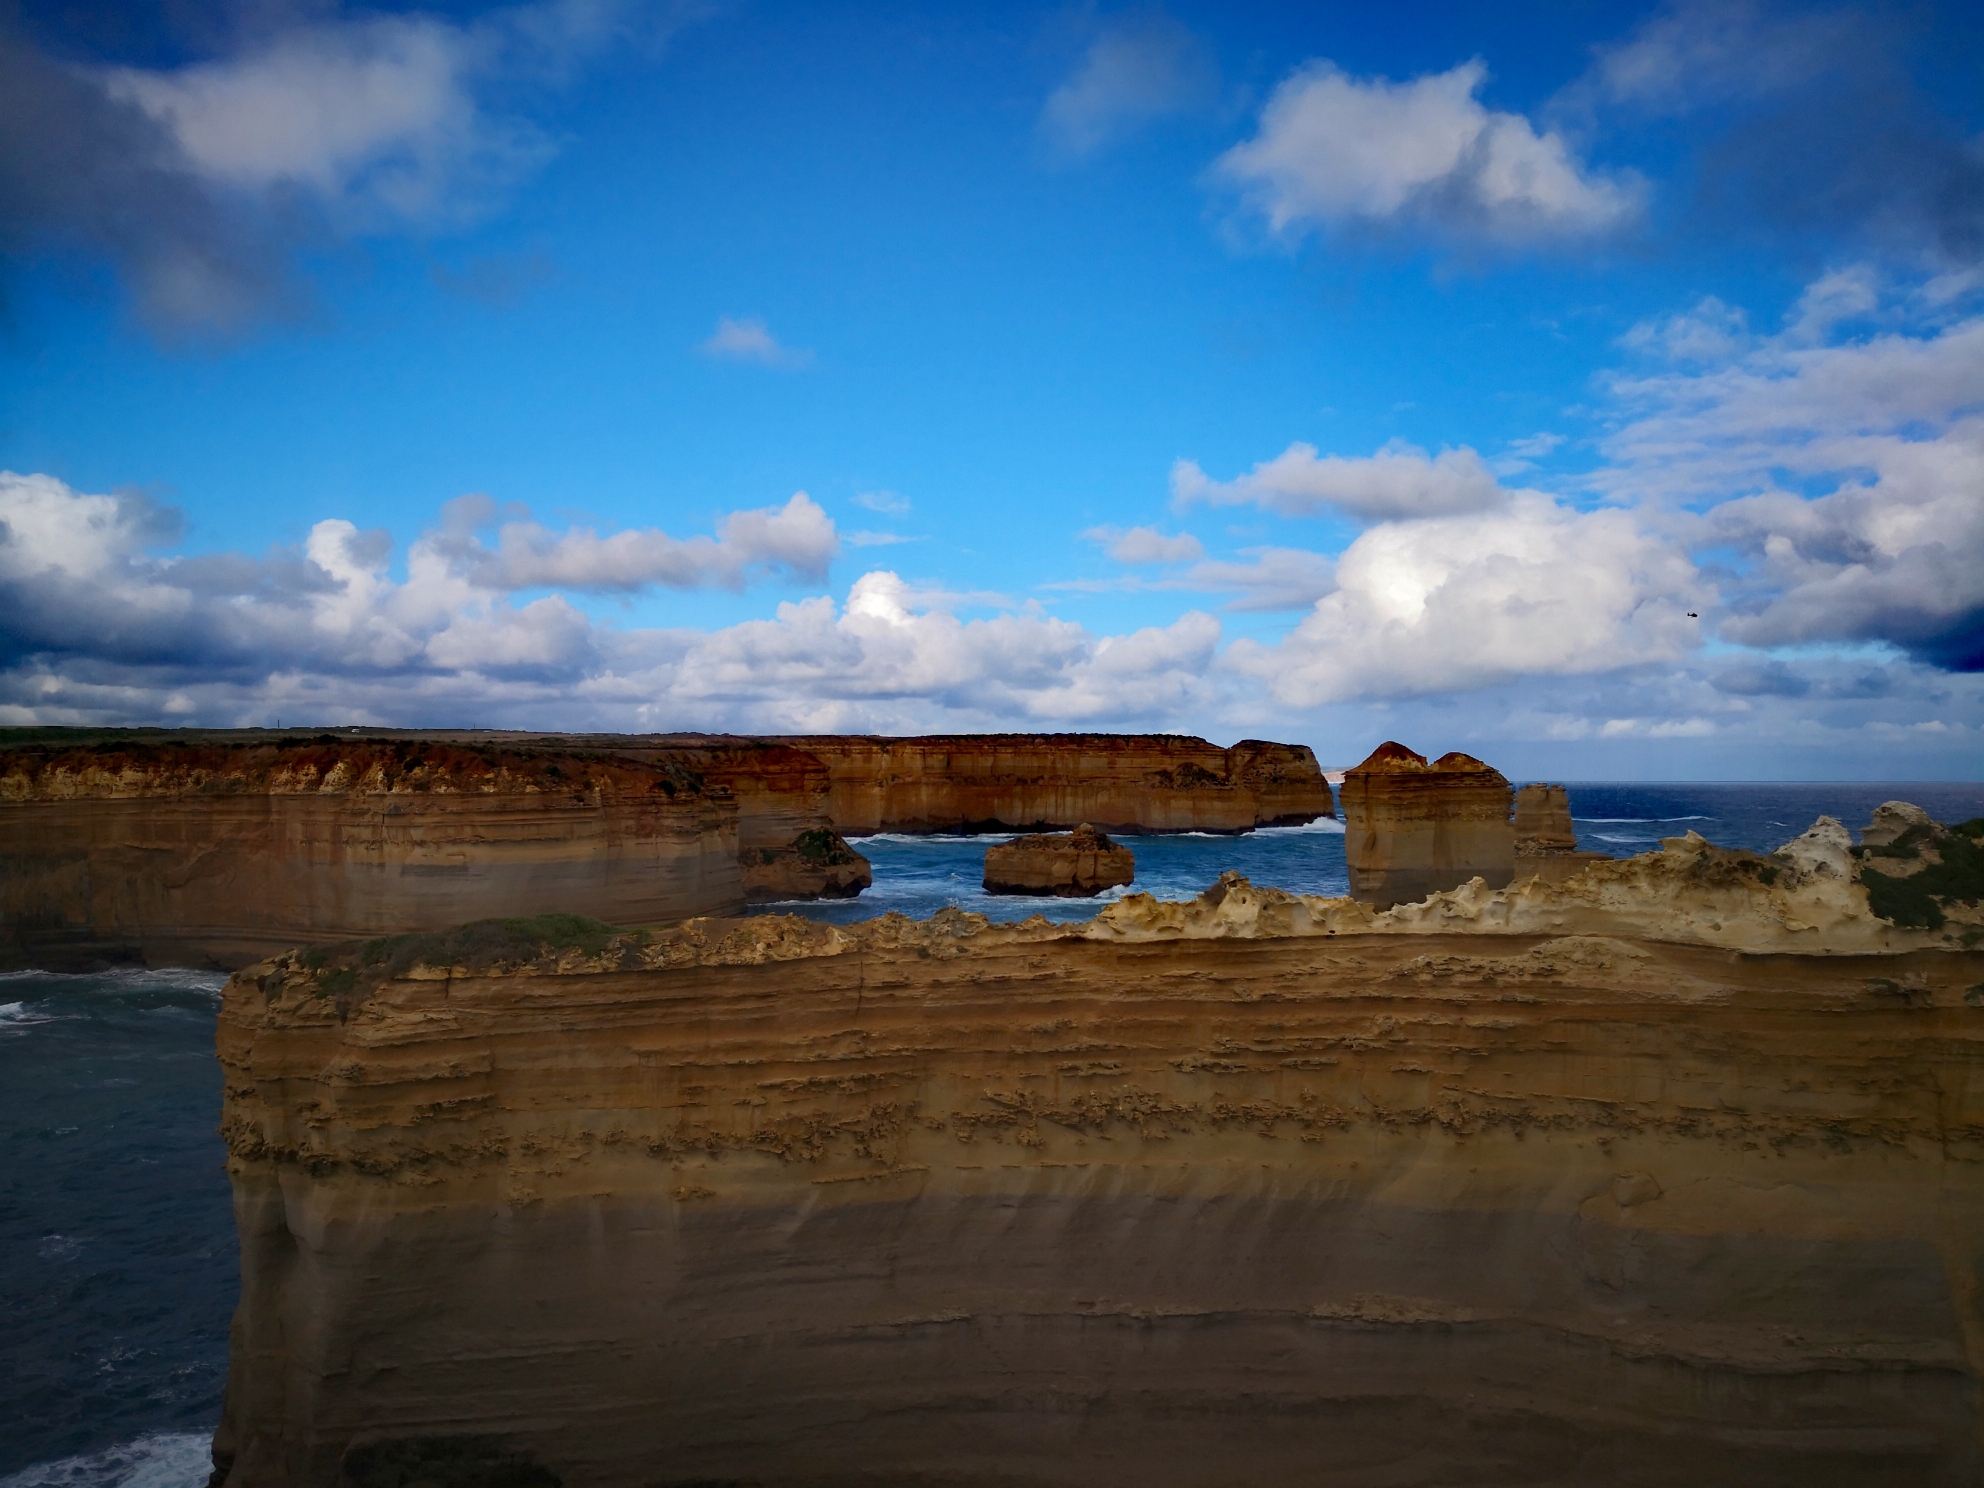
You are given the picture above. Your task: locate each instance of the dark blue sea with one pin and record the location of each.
(117, 1258)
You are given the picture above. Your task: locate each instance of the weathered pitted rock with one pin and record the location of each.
(1069, 865)
(1413, 829)
(1032, 782)
(215, 854)
(1890, 820)
(1240, 1201)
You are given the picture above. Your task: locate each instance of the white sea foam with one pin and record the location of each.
(1329, 826)
(122, 979)
(169, 1459)
(1602, 820)
(20, 1015)
(919, 839)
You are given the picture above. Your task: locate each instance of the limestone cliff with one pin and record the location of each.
(1413, 828)
(219, 853)
(1512, 1186)
(1036, 782)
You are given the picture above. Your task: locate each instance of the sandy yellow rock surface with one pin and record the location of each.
(1256, 1189)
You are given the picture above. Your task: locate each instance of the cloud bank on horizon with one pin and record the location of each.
(1741, 518)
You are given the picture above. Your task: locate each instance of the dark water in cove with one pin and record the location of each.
(117, 1259)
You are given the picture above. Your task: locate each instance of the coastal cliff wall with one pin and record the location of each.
(1040, 782)
(1252, 1189)
(217, 855)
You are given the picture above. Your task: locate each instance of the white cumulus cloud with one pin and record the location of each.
(1462, 602)
(798, 538)
(1334, 150)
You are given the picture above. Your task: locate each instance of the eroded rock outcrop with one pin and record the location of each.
(1919, 872)
(1804, 899)
(1032, 782)
(1413, 828)
(816, 864)
(1280, 1190)
(1070, 865)
(196, 853)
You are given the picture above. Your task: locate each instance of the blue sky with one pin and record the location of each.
(1596, 388)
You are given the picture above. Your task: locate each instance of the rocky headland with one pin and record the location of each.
(1070, 865)
(1671, 1172)
(196, 853)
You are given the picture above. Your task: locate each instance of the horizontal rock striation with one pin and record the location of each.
(1542, 821)
(218, 854)
(1413, 828)
(1069, 865)
(1506, 1186)
(1038, 782)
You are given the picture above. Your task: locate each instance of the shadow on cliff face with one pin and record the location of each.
(443, 1462)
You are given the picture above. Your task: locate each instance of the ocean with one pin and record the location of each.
(117, 1258)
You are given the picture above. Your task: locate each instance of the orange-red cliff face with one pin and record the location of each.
(218, 854)
(1412, 828)
(1035, 782)
(216, 846)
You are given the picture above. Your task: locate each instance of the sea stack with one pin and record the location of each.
(1413, 828)
(1546, 842)
(1069, 865)
(1543, 821)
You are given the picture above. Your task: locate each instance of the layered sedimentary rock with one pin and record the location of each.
(1413, 828)
(1542, 822)
(1546, 838)
(787, 846)
(1671, 1174)
(1035, 782)
(218, 854)
(1070, 865)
